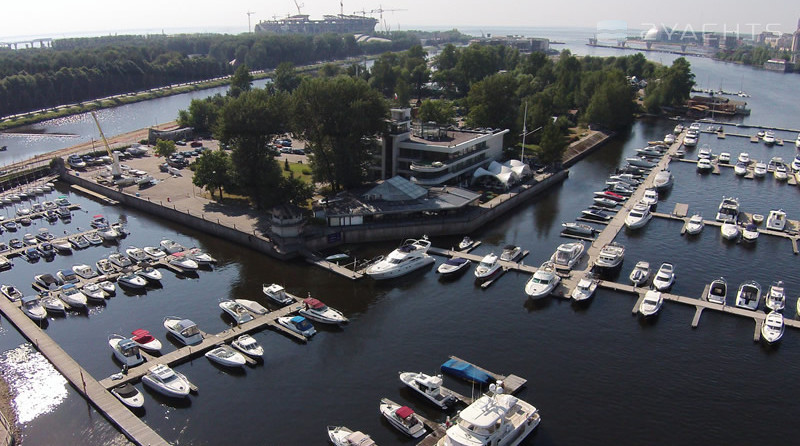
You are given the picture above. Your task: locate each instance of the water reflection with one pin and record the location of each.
(37, 386)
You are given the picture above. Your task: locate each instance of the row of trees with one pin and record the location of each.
(755, 55)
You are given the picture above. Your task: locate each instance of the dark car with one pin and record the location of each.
(298, 151)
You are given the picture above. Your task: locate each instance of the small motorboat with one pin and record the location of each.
(605, 202)
(750, 232)
(72, 296)
(581, 229)
(611, 256)
(749, 295)
(585, 288)
(252, 306)
(93, 292)
(430, 387)
(724, 157)
(46, 250)
(758, 219)
(298, 324)
(776, 297)
(146, 341)
(665, 277)
(740, 169)
(166, 381)
(248, 345)
(769, 138)
(729, 231)
(465, 243)
(104, 266)
(487, 267)
(776, 220)
(150, 274)
(640, 162)
(342, 436)
(650, 197)
(226, 355)
(120, 260)
(184, 330)
(29, 240)
(640, 273)
(403, 418)
(108, 287)
(453, 266)
(567, 255)
(44, 235)
(171, 247)
(704, 153)
(317, 311)
(67, 276)
(53, 304)
(543, 281)
(137, 254)
(154, 252)
(510, 253)
(772, 330)
(132, 280)
(129, 395)
(33, 308)
(125, 350)
(669, 138)
(78, 242)
(651, 304)
(201, 257)
(278, 294)
(744, 158)
(621, 189)
(47, 281)
(694, 225)
(182, 261)
(704, 165)
(108, 234)
(760, 170)
(465, 371)
(236, 311)
(11, 292)
(638, 216)
(717, 291)
(62, 246)
(593, 214)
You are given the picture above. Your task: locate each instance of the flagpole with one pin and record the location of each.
(524, 132)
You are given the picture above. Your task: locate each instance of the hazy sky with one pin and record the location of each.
(58, 18)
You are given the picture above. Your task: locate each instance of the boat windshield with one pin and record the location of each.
(191, 330)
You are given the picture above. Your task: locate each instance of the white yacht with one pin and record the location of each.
(132, 281)
(154, 252)
(724, 157)
(651, 304)
(93, 292)
(795, 166)
(201, 257)
(11, 292)
(108, 287)
(137, 254)
(704, 153)
(72, 296)
(585, 288)
(488, 267)
(402, 417)
(104, 266)
(543, 281)
(749, 295)
(465, 243)
(776, 220)
(430, 387)
(129, 395)
(567, 255)
(640, 273)
(166, 381)
(665, 277)
(650, 197)
(298, 324)
(182, 261)
(125, 350)
(171, 247)
(581, 229)
(750, 232)
(317, 311)
(278, 294)
(236, 311)
(694, 225)
(453, 266)
(776, 297)
(511, 253)
(729, 230)
(84, 271)
(120, 260)
(611, 256)
(342, 436)
(248, 345)
(638, 216)
(690, 140)
(772, 330)
(781, 173)
(669, 138)
(704, 165)
(53, 304)
(717, 291)
(226, 355)
(744, 157)
(33, 309)
(184, 330)
(760, 170)
(740, 169)
(493, 419)
(769, 138)
(252, 306)
(150, 274)
(410, 256)
(728, 210)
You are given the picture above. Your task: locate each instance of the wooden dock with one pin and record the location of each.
(94, 194)
(511, 383)
(336, 268)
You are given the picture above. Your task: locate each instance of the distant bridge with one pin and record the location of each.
(33, 43)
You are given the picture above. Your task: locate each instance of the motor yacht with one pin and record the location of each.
(678, 129)
(769, 138)
(665, 277)
(120, 260)
(108, 287)
(493, 419)
(402, 417)
(125, 350)
(543, 281)
(154, 252)
(72, 296)
(136, 254)
(248, 345)
(430, 387)
(585, 288)
(410, 256)
(567, 255)
(729, 231)
(184, 330)
(201, 257)
(93, 292)
(52, 304)
(581, 229)
(760, 170)
(453, 266)
(749, 295)
(724, 158)
(78, 242)
(694, 225)
(183, 261)
(773, 327)
(108, 234)
(465, 243)
(744, 158)
(728, 210)
(298, 324)
(605, 202)
(638, 216)
(252, 306)
(776, 297)
(171, 247)
(611, 256)
(650, 197)
(621, 189)
(226, 355)
(487, 267)
(750, 232)
(236, 311)
(150, 274)
(166, 381)
(128, 395)
(278, 294)
(511, 253)
(29, 239)
(740, 169)
(146, 341)
(651, 304)
(641, 273)
(690, 140)
(62, 246)
(776, 220)
(317, 311)
(704, 153)
(638, 161)
(67, 276)
(704, 165)
(11, 292)
(47, 281)
(33, 308)
(342, 436)
(593, 214)
(717, 291)
(132, 280)
(781, 173)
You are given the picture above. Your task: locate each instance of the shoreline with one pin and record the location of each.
(9, 431)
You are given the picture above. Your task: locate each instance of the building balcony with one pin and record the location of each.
(431, 167)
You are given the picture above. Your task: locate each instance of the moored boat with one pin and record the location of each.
(125, 350)
(33, 308)
(248, 345)
(487, 267)
(428, 386)
(182, 261)
(694, 225)
(128, 395)
(749, 295)
(453, 266)
(510, 253)
(776, 220)
(298, 324)
(776, 297)
(543, 281)
(166, 381)
(236, 311)
(717, 291)
(131, 280)
(252, 306)
(226, 355)
(410, 256)
(665, 277)
(183, 330)
(145, 340)
(728, 210)
(278, 294)
(342, 436)
(585, 288)
(750, 232)
(611, 256)
(317, 311)
(773, 327)
(465, 243)
(581, 229)
(402, 418)
(651, 304)
(640, 273)
(638, 216)
(729, 231)
(567, 255)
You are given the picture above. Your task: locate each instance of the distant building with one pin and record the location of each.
(524, 44)
(302, 24)
(153, 135)
(777, 65)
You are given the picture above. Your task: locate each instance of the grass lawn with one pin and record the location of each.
(297, 170)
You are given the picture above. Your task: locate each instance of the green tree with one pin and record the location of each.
(552, 144)
(286, 77)
(612, 104)
(440, 111)
(165, 147)
(202, 115)
(493, 102)
(212, 170)
(241, 81)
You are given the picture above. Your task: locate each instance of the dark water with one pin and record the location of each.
(598, 374)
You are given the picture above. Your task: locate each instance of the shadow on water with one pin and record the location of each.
(537, 304)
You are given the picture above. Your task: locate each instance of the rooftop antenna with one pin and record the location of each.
(249, 13)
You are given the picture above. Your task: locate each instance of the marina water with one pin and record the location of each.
(598, 374)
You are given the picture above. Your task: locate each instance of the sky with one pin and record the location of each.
(65, 18)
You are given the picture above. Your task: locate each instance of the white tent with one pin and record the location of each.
(506, 174)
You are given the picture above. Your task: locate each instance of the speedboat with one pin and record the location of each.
(567, 255)
(146, 341)
(137, 254)
(628, 178)
(610, 195)
(184, 330)
(430, 387)
(108, 287)
(776, 220)
(32, 254)
(638, 216)
(750, 232)
(729, 230)
(781, 174)
(796, 163)
(728, 210)
(129, 395)
(11, 292)
(694, 225)
(510, 253)
(465, 243)
(585, 288)
(678, 129)
(769, 138)
(108, 234)
(740, 169)
(29, 239)
(78, 242)
(593, 214)
(637, 161)
(665, 277)
(72, 296)
(317, 311)
(46, 250)
(226, 355)
(410, 256)
(611, 256)
(724, 157)
(47, 281)
(578, 229)
(33, 309)
(53, 304)
(690, 140)
(93, 292)
(744, 158)
(154, 252)
(625, 190)
(171, 247)
(236, 311)
(131, 280)
(201, 257)
(44, 235)
(166, 381)
(640, 273)
(704, 165)
(773, 327)
(717, 291)
(150, 274)
(776, 297)
(252, 306)
(342, 436)
(488, 267)
(650, 197)
(67, 276)
(453, 266)
(278, 294)
(749, 295)
(182, 261)
(62, 246)
(704, 153)
(248, 345)
(543, 281)
(402, 417)
(125, 350)
(120, 260)
(760, 170)
(298, 324)
(605, 202)
(493, 419)
(651, 304)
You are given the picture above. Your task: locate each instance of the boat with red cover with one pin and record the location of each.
(146, 341)
(403, 418)
(315, 310)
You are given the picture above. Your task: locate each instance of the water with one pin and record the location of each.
(598, 374)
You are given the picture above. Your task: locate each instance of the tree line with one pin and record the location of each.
(755, 55)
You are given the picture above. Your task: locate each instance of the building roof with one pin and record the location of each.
(397, 189)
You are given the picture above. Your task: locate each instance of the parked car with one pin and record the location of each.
(298, 151)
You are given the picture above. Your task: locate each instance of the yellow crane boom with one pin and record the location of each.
(115, 170)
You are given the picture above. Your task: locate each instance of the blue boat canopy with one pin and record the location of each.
(466, 371)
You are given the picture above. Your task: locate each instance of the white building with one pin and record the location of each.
(431, 155)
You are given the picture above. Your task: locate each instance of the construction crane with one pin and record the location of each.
(298, 5)
(380, 11)
(115, 170)
(249, 13)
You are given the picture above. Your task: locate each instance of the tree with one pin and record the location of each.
(213, 171)
(438, 111)
(612, 104)
(165, 147)
(286, 78)
(202, 115)
(552, 145)
(493, 102)
(241, 81)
